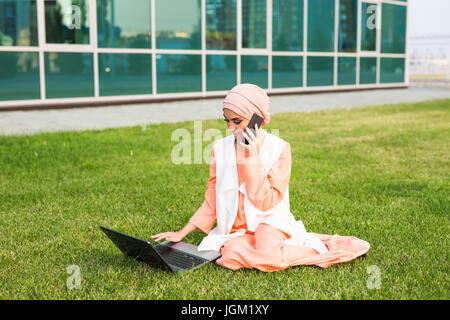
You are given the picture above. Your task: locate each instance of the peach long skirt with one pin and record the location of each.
(265, 250)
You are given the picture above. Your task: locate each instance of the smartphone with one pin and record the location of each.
(251, 125)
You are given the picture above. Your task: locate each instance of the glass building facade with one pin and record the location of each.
(92, 51)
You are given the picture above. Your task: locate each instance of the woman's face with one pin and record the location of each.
(236, 123)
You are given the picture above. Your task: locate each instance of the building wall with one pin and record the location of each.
(55, 52)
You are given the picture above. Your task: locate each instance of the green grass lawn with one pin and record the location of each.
(378, 173)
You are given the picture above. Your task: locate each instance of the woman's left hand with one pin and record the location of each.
(254, 142)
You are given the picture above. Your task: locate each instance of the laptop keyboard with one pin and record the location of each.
(179, 258)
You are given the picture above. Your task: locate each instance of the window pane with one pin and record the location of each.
(19, 75)
(221, 24)
(178, 24)
(287, 25)
(67, 21)
(68, 75)
(346, 70)
(121, 25)
(348, 12)
(368, 26)
(287, 72)
(124, 73)
(179, 73)
(393, 29)
(253, 23)
(220, 72)
(18, 24)
(321, 25)
(254, 70)
(368, 70)
(392, 70)
(320, 71)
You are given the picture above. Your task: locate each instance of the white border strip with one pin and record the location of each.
(93, 37)
(203, 35)
(41, 42)
(239, 39)
(269, 21)
(336, 42)
(305, 41)
(153, 45)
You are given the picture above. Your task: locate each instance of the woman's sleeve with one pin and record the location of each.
(265, 190)
(205, 216)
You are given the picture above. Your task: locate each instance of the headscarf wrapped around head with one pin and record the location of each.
(246, 99)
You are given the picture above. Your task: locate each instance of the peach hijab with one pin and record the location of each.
(246, 99)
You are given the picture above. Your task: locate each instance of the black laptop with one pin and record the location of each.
(172, 256)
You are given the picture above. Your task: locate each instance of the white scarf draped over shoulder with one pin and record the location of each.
(227, 198)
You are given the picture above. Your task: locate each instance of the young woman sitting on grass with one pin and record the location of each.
(248, 195)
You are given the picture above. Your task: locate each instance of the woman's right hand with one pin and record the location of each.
(169, 236)
(175, 236)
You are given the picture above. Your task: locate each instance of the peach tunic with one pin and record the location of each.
(264, 249)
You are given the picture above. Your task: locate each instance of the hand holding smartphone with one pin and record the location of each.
(251, 125)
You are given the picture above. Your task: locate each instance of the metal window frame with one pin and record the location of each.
(239, 52)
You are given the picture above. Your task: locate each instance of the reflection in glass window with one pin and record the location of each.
(287, 72)
(68, 75)
(178, 24)
(179, 73)
(348, 12)
(321, 25)
(67, 21)
(393, 29)
(368, 26)
(18, 24)
(19, 75)
(320, 71)
(367, 70)
(287, 25)
(220, 72)
(392, 70)
(221, 24)
(254, 69)
(121, 25)
(124, 73)
(346, 70)
(253, 23)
